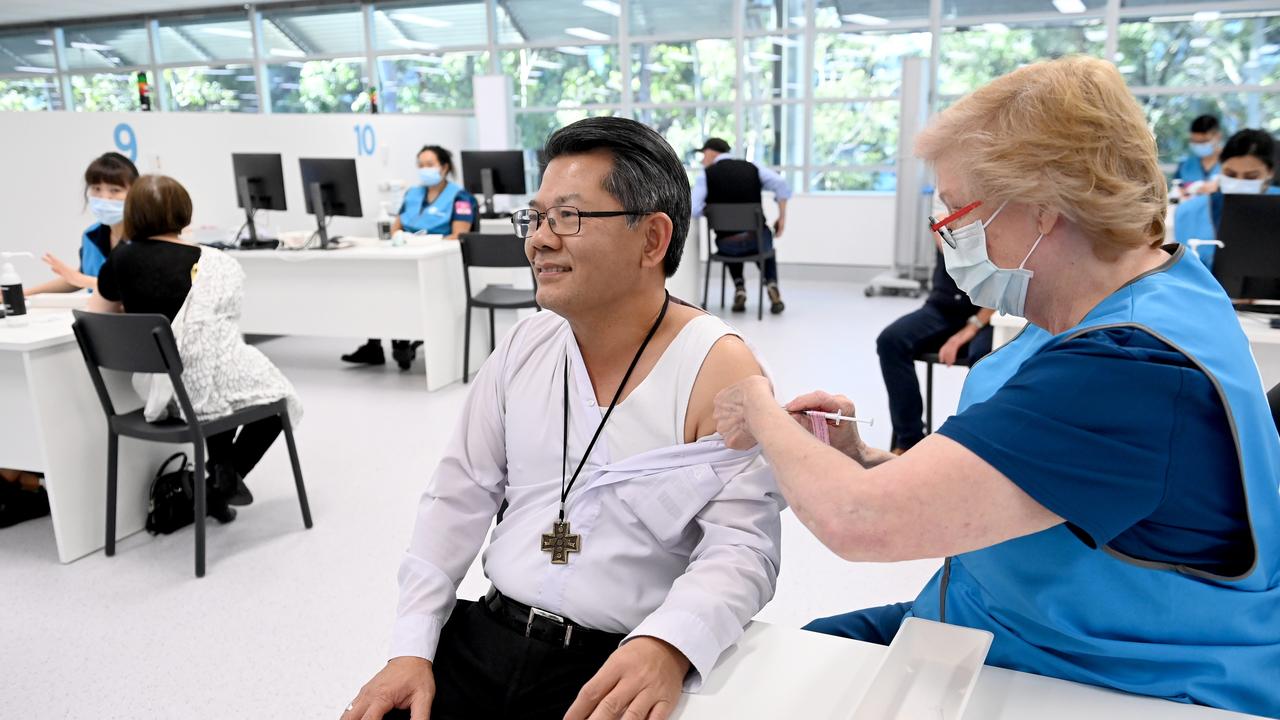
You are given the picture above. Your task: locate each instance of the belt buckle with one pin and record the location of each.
(535, 613)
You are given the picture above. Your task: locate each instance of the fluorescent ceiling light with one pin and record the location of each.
(586, 34)
(798, 20)
(656, 68)
(229, 32)
(245, 78)
(296, 64)
(420, 20)
(219, 71)
(32, 69)
(414, 44)
(864, 19)
(89, 46)
(1128, 69)
(1201, 43)
(1069, 7)
(680, 57)
(285, 52)
(608, 7)
(547, 64)
(571, 50)
(767, 56)
(1095, 34)
(997, 28)
(1206, 16)
(44, 41)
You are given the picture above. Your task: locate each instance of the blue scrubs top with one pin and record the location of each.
(95, 246)
(1190, 170)
(437, 217)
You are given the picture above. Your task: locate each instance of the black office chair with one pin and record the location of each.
(492, 251)
(929, 359)
(726, 219)
(145, 344)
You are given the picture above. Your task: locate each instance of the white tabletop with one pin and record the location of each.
(418, 248)
(776, 672)
(39, 328)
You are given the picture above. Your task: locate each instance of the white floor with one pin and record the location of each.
(289, 623)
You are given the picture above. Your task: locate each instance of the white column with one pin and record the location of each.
(495, 117)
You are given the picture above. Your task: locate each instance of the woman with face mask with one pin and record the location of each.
(1106, 495)
(1248, 165)
(1202, 164)
(106, 182)
(436, 206)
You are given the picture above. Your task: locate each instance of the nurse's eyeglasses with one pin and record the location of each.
(562, 219)
(942, 227)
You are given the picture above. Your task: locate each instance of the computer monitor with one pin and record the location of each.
(493, 172)
(259, 185)
(331, 188)
(1248, 263)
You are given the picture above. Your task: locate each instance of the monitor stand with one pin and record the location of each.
(317, 207)
(246, 200)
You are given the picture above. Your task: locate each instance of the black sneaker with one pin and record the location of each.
(18, 505)
(215, 501)
(404, 352)
(229, 485)
(775, 298)
(369, 353)
(740, 299)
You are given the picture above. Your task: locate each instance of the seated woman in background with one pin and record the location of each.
(1248, 165)
(438, 206)
(200, 291)
(106, 185)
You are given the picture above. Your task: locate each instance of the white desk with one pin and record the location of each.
(413, 292)
(776, 672)
(1263, 340)
(52, 423)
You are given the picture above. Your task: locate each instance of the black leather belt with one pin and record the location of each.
(547, 627)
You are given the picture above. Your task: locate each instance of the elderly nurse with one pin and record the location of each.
(1106, 495)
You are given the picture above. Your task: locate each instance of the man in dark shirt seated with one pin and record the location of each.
(948, 324)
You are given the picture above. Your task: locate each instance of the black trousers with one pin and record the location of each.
(745, 244)
(924, 330)
(243, 449)
(486, 669)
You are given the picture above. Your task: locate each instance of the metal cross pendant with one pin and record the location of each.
(560, 542)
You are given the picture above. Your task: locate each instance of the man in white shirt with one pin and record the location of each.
(634, 545)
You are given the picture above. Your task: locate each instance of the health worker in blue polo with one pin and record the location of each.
(1106, 495)
(1248, 165)
(435, 206)
(106, 184)
(1203, 162)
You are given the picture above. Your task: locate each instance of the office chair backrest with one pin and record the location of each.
(130, 343)
(735, 217)
(492, 250)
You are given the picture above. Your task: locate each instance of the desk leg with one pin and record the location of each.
(73, 433)
(441, 296)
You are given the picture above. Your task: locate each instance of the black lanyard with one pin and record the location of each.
(564, 462)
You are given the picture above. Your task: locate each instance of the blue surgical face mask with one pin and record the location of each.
(988, 286)
(429, 176)
(108, 212)
(1204, 149)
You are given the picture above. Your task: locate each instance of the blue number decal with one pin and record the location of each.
(365, 140)
(128, 145)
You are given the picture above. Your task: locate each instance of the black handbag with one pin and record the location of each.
(172, 503)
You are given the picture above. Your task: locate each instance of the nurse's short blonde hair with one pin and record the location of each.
(1065, 135)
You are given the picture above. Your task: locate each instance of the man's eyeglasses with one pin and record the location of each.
(943, 226)
(562, 219)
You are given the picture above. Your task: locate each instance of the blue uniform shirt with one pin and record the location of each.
(453, 204)
(95, 246)
(1190, 170)
(1124, 438)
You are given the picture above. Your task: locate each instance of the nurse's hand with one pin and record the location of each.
(734, 406)
(65, 271)
(844, 437)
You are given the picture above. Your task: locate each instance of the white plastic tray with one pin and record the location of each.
(928, 673)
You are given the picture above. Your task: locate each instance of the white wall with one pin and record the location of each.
(832, 229)
(46, 155)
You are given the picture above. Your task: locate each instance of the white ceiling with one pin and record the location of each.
(15, 12)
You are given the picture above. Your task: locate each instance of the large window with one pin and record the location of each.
(811, 88)
(28, 73)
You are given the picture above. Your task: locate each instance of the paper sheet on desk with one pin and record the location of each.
(75, 300)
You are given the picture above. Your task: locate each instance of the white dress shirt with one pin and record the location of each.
(680, 542)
